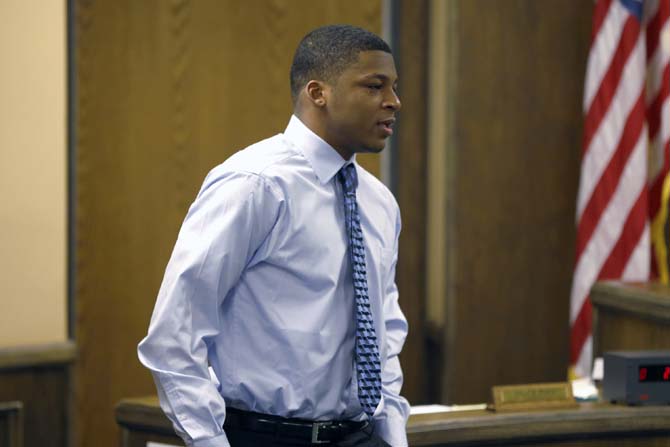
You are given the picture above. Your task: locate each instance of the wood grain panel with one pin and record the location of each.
(623, 331)
(516, 106)
(411, 154)
(164, 92)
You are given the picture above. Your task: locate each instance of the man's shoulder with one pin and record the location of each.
(253, 164)
(258, 157)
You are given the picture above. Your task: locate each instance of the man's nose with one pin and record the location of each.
(393, 101)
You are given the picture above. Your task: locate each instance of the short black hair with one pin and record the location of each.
(326, 51)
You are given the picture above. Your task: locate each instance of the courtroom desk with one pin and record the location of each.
(630, 316)
(592, 425)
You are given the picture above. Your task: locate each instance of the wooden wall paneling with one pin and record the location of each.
(411, 151)
(126, 205)
(516, 105)
(164, 92)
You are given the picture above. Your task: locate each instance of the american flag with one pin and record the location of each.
(622, 201)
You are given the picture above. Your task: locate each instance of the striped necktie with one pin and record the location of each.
(368, 366)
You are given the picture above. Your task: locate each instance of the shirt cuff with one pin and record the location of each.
(217, 441)
(392, 430)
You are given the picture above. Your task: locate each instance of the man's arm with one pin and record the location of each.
(229, 220)
(390, 423)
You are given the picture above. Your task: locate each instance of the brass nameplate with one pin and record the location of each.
(533, 396)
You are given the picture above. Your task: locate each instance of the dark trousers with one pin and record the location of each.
(245, 438)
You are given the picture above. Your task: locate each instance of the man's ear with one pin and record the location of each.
(316, 92)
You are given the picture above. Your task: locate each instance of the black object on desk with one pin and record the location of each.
(637, 377)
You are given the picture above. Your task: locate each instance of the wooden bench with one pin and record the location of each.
(11, 424)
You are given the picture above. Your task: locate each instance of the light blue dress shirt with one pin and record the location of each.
(259, 288)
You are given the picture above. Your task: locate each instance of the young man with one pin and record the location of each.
(282, 277)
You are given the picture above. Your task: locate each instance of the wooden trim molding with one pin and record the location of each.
(588, 421)
(63, 353)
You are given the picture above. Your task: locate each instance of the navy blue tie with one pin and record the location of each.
(368, 366)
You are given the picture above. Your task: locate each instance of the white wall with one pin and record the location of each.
(32, 172)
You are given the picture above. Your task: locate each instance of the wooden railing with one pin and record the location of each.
(141, 420)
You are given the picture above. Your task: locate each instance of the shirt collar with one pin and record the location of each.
(323, 158)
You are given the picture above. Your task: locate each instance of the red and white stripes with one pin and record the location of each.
(613, 234)
(658, 118)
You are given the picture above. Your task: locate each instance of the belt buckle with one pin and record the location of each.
(315, 432)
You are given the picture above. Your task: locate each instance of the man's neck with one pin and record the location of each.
(316, 125)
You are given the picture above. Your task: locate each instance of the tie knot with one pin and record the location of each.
(348, 178)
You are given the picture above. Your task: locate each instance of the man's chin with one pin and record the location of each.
(374, 148)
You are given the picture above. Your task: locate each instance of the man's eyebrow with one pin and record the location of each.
(380, 76)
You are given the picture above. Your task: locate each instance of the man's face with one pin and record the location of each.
(361, 104)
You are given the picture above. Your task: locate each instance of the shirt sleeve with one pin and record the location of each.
(391, 421)
(227, 223)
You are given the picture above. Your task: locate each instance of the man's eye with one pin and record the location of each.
(375, 86)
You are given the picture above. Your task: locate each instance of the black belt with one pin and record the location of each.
(314, 432)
